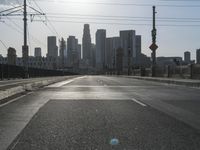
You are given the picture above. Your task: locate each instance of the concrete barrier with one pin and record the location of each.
(30, 86)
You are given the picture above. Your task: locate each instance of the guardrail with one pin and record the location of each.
(11, 71)
(186, 72)
(189, 72)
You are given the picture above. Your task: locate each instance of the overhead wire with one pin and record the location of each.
(52, 26)
(19, 29)
(123, 4)
(4, 45)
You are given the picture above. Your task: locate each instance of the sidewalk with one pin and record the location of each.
(12, 87)
(184, 82)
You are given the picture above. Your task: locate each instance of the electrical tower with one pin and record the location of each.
(15, 12)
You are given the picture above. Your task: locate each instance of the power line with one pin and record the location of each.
(118, 16)
(138, 20)
(19, 29)
(3, 44)
(128, 24)
(124, 4)
(52, 26)
(122, 19)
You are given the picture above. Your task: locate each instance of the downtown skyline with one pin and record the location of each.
(172, 40)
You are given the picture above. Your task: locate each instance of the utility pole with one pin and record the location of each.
(153, 46)
(25, 46)
(13, 12)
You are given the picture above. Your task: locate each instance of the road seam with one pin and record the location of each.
(138, 102)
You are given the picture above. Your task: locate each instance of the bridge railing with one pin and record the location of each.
(12, 72)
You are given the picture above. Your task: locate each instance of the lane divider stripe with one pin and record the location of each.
(138, 102)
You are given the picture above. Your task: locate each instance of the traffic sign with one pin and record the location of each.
(153, 47)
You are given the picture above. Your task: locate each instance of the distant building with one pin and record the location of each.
(187, 57)
(93, 49)
(86, 45)
(100, 49)
(52, 47)
(145, 61)
(3, 60)
(198, 56)
(38, 52)
(119, 60)
(137, 59)
(128, 44)
(79, 52)
(164, 61)
(109, 53)
(72, 51)
(39, 62)
(62, 53)
(11, 56)
(116, 45)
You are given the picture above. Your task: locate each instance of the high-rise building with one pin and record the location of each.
(100, 48)
(79, 52)
(116, 45)
(52, 47)
(72, 52)
(138, 43)
(187, 57)
(198, 56)
(86, 45)
(62, 53)
(38, 52)
(93, 49)
(11, 56)
(128, 44)
(109, 53)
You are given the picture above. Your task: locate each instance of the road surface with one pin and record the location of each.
(103, 113)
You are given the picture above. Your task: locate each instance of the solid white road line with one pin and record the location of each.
(62, 83)
(15, 99)
(140, 103)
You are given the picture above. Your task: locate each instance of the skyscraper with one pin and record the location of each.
(116, 45)
(86, 44)
(72, 51)
(38, 52)
(109, 52)
(198, 56)
(187, 57)
(52, 47)
(100, 48)
(11, 56)
(128, 44)
(62, 53)
(138, 49)
(79, 52)
(93, 49)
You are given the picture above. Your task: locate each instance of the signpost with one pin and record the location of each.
(153, 46)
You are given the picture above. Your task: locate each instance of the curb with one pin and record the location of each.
(191, 83)
(29, 87)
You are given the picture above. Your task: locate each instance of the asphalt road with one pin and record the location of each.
(103, 113)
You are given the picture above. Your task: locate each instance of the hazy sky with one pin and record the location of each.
(178, 23)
